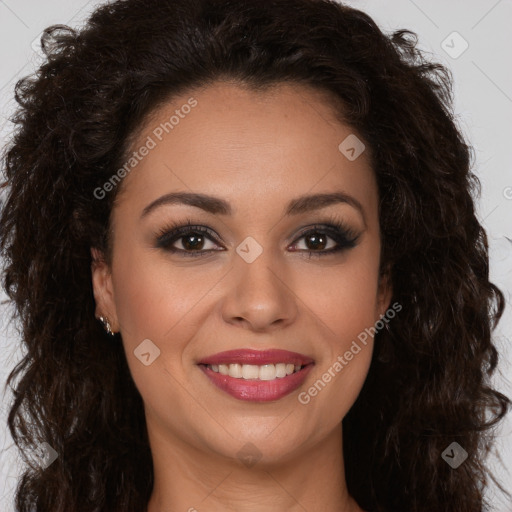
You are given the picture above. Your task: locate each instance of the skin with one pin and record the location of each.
(256, 150)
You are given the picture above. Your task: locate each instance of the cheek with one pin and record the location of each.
(343, 304)
(343, 298)
(154, 296)
(155, 301)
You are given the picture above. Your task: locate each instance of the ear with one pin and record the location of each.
(103, 288)
(384, 292)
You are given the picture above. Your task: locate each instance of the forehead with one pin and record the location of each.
(231, 141)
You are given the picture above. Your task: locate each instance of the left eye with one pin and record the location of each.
(317, 241)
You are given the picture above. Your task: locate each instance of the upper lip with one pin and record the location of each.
(257, 357)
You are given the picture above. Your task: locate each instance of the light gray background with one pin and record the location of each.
(483, 87)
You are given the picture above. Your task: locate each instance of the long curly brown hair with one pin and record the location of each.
(429, 380)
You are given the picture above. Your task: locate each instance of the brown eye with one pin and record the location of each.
(192, 240)
(317, 241)
(321, 240)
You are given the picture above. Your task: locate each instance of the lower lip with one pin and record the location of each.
(257, 390)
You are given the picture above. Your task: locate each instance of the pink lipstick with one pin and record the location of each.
(257, 375)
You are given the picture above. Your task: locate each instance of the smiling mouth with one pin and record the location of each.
(257, 375)
(263, 372)
(257, 383)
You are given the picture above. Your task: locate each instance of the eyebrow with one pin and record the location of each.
(218, 206)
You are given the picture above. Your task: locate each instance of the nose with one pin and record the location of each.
(260, 295)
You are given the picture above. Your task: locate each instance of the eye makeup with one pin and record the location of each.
(192, 238)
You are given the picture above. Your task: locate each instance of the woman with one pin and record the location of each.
(241, 240)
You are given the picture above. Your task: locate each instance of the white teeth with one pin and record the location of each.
(235, 370)
(252, 371)
(280, 370)
(267, 372)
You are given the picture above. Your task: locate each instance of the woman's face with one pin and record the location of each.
(262, 277)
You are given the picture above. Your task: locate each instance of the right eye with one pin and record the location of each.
(191, 238)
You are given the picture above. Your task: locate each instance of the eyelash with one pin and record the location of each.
(345, 237)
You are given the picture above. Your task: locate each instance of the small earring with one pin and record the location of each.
(106, 325)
